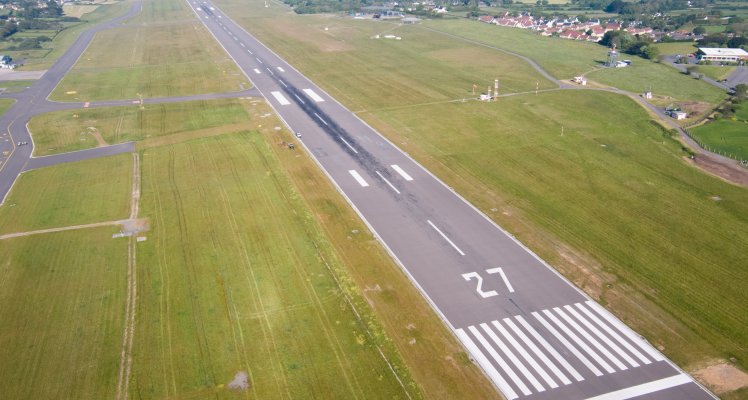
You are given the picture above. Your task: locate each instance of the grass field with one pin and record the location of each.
(674, 48)
(716, 72)
(727, 136)
(227, 224)
(62, 301)
(5, 105)
(70, 130)
(152, 59)
(15, 86)
(69, 194)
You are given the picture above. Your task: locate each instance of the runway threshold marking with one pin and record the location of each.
(320, 118)
(401, 172)
(314, 96)
(592, 328)
(592, 340)
(387, 182)
(347, 144)
(281, 69)
(512, 357)
(645, 388)
(281, 99)
(626, 331)
(358, 178)
(257, 71)
(445, 237)
(492, 373)
(547, 348)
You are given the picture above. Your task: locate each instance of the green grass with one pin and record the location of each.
(61, 310)
(716, 72)
(673, 48)
(5, 105)
(155, 11)
(227, 224)
(42, 59)
(726, 136)
(70, 130)
(662, 79)
(69, 194)
(15, 86)
(152, 60)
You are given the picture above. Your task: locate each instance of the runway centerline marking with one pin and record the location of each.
(242, 44)
(250, 51)
(299, 98)
(387, 182)
(270, 71)
(445, 237)
(314, 96)
(282, 83)
(645, 388)
(320, 118)
(346, 143)
(358, 177)
(257, 71)
(401, 172)
(258, 60)
(281, 69)
(282, 100)
(503, 277)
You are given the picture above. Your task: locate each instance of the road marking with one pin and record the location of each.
(281, 69)
(387, 182)
(504, 366)
(547, 378)
(258, 60)
(579, 342)
(505, 349)
(299, 98)
(324, 122)
(282, 100)
(445, 237)
(645, 388)
(346, 143)
(270, 71)
(486, 365)
(613, 333)
(547, 347)
(358, 177)
(250, 52)
(257, 71)
(592, 340)
(568, 345)
(503, 277)
(626, 331)
(401, 172)
(282, 83)
(602, 337)
(313, 96)
(242, 44)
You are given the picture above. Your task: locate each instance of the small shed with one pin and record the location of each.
(678, 114)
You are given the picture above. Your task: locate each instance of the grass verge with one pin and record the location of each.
(726, 136)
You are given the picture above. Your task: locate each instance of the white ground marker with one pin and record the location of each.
(281, 99)
(387, 182)
(645, 388)
(486, 365)
(445, 237)
(313, 96)
(401, 172)
(281, 69)
(257, 71)
(358, 177)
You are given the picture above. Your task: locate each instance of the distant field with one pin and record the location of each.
(69, 130)
(716, 72)
(69, 194)
(78, 10)
(673, 48)
(726, 135)
(162, 11)
(152, 60)
(227, 224)
(62, 300)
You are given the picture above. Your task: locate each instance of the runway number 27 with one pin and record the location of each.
(479, 287)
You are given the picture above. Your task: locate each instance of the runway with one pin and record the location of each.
(533, 333)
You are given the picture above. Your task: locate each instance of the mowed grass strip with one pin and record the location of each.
(62, 303)
(152, 60)
(75, 193)
(69, 130)
(726, 136)
(611, 186)
(237, 280)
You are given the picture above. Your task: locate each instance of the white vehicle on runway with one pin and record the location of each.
(298, 134)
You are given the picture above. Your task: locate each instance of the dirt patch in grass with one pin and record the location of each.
(240, 382)
(733, 174)
(722, 378)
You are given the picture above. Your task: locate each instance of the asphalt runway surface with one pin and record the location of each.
(533, 333)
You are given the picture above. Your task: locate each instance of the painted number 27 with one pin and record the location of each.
(479, 287)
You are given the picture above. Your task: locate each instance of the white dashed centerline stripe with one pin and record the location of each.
(504, 366)
(566, 343)
(540, 354)
(505, 349)
(387, 182)
(258, 60)
(486, 365)
(282, 83)
(358, 177)
(281, 69)
(645, 388)
(613, 333)
(626, 330)
(270, 71)
(257, 71)
(547, 378)
(320, 118)
(592, 340)
(250, 52)
(299, 98)
(401, 172)
(345, 141)
(313, 96)
(242, 44)
(445, 237)
(282, 100)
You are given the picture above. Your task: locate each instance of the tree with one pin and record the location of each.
(651, 52)
(692, 70)
(615, 7)
(741, 91)
(699, 30)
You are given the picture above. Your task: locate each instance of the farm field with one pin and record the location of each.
(69, 194)
(63, 131)
(726, 136)
(151, 60)
(227, 224)
(62, 309)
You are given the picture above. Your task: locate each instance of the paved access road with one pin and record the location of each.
(533, 333)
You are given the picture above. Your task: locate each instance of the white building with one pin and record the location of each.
(721, 55)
